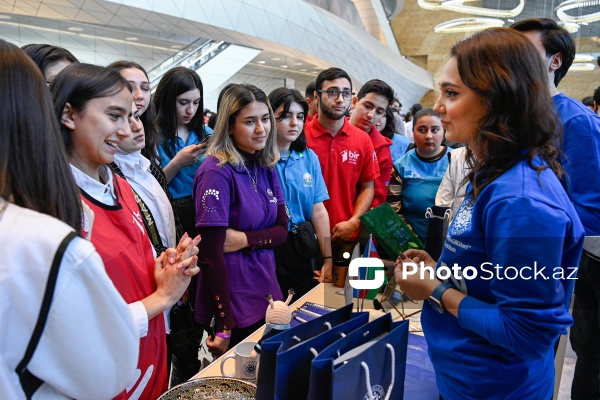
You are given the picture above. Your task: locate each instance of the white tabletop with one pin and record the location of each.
(326, 294)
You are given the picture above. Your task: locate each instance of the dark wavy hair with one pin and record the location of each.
(555, 39)
(330, 74)
(34, 171)
(45, 55)
(175, 82)
(286, 97)
(77, 85)
(379, 87)
(151, 135)
(500, 64)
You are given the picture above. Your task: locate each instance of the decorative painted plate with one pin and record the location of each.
(211, 388)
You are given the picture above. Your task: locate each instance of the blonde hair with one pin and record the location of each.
(222, 145)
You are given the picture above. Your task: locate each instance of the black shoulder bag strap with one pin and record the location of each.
(29, 382)
(147, 217)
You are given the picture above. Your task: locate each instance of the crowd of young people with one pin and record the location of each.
(180, 214)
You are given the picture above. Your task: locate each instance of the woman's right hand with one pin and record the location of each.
(190, 154)
(416, 256)
(173, 277)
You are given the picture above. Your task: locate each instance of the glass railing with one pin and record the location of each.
(186, 56)
(205, 56)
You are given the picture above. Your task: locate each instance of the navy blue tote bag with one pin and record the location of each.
(265, 384)
(373, 366)
(292, 373)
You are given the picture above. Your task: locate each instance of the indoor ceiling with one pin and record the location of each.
(414, 31)
(412, 26)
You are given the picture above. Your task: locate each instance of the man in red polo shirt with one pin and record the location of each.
(368, 107)
(346, 155)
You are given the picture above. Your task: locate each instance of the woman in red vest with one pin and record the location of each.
(93, 105)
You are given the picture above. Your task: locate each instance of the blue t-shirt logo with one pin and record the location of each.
(462, 221)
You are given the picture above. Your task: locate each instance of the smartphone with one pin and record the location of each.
(204, 139)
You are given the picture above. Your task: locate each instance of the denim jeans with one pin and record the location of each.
(585, 333)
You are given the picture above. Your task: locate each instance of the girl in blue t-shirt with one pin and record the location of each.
(499, 298)
(178, 97)
(421, 170)
(304, 190)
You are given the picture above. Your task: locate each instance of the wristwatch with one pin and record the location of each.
(435, 300)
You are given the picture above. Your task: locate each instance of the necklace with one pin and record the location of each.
(253, 179)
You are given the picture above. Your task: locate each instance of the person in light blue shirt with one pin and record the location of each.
(178, 97)
(304, 190)
(421, 170)
(499, 298)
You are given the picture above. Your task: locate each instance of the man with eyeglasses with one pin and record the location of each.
(346, 155)
(368, 107)
(580, 158)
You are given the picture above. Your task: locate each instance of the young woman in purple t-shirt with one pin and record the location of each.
(240, 213)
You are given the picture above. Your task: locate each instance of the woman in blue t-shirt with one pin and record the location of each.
(178, 97)
(421, 170)
(304, 190)
(499, 299)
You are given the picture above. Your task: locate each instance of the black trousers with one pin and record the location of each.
(186, 212)
(293, 271)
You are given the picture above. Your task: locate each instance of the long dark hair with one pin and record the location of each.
(34, 171)
(174, 82)
(152, 137)
(77, 85)
(286, 97)
(500, 64)
(388, 129)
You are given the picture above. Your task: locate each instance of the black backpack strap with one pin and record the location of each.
(29, 382)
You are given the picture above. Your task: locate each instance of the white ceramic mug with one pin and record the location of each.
(245, 364)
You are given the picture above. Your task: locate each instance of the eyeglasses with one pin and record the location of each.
(333, 94)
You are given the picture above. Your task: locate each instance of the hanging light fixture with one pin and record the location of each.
(561, 11)
(459, 6)
(583, 58)
(468, 25)
(570, 27)
(431, 5)
(581, 67)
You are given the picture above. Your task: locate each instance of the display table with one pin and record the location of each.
(326, 294)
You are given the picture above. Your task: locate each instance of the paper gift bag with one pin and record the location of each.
(265, 385)
(369, 363)
(292, 372)
(438, 219)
